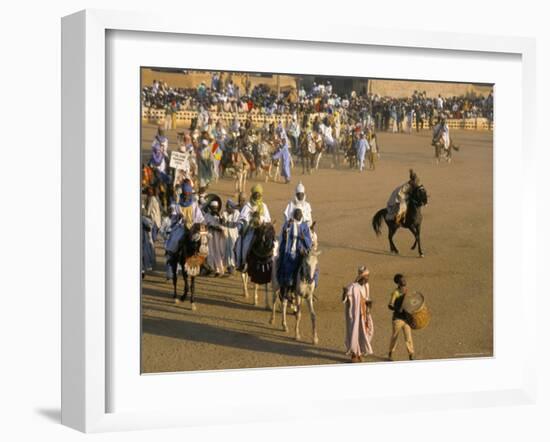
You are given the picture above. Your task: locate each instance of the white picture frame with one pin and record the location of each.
(85, 308)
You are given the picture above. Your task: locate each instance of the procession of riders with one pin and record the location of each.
(203, 235)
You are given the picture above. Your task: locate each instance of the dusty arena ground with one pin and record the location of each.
(227, 331)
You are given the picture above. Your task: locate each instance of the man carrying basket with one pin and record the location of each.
(399, 318)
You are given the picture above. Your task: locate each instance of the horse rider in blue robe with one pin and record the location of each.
(295, 244)
(159, 157)
(186, 214)
(283, 154)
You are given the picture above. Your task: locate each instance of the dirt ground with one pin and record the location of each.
(455, 276)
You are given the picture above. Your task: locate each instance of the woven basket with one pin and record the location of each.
(420, 318)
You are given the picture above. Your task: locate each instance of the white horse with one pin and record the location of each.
(305, 286)
(267, 166)
(319, 147)
(443, 144)
(242, 169)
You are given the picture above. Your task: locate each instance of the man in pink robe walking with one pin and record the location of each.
(359, 325)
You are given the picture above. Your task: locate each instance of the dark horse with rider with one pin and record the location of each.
(404, 209)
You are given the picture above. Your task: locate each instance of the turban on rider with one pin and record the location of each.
(186, 187)
(300, 188)
(231, 204)
(158, 156)
(258, 201)
(362, 272)
(414, 178)
(257, 188)
(187, 190)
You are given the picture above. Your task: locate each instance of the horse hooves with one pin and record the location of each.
(298, 337)
(272, 321)
(421, 255)
(285, 328)
(193, 306)
(315, 340)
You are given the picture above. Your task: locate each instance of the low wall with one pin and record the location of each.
(405, 89)
(183, 118)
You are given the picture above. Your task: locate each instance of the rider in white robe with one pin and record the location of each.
(397, 203)
(216, 244)
(299, 202)
(230, 219)
(441, 132)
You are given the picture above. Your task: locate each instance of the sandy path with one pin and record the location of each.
(455, 276)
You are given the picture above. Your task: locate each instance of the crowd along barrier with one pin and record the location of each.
(157, 116)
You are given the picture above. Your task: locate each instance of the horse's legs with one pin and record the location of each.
(318, 160)
(415, 238)
(420, 253)
(174, 266)
(285, 303)
(391, 231)
(193, 307)
(267, 297)
(186, 286)
(298, 316)
(273, 307)
(244, 278)
(313, 319)
(255, 294)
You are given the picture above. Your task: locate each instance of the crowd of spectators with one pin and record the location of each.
(223, 95)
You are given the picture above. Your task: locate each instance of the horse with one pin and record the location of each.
(319, 148)
(267, 165)
(187, 248)
(303, 290)
(413, 219)
(350, 154)
(264, 163)
(261, 261)
(438, 142)
(441, 153)
(305, 286)
(307, 152)
(242, 168)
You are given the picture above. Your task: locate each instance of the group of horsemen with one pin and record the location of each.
(231, 230)
(213, 149)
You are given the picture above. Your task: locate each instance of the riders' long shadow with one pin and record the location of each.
(208, 293)
(179, 310)
(227, 337)
(220, 300)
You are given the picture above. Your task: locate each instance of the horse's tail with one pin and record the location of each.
(377, 221)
